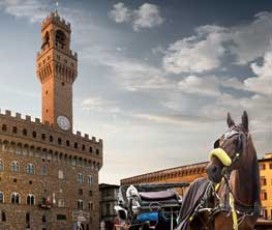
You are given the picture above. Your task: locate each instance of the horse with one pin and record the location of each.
(230, 198)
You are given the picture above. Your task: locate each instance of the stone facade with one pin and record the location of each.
(108, 199)
(186, 173)
(48, 174)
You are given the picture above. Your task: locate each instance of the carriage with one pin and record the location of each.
(228, 200)
(148, 206)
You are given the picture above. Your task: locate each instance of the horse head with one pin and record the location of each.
(230, 150)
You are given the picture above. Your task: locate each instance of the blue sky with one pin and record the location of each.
(156, 78)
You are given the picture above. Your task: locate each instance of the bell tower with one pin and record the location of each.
(56, 68)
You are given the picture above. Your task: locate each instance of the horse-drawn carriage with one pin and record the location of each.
(228, 200)
(148, 206)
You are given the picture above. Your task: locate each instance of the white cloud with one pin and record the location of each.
(194, 55)
(199, 85)
(34, 10)
(98, 104)
(204, 50)
(120, 13)
(262, 82)
(146, 16)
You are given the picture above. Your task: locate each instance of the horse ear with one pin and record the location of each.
(245, 121)
(230, 122)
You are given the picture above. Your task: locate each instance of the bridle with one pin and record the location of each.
(223, 156)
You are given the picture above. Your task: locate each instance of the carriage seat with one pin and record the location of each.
(158, 196)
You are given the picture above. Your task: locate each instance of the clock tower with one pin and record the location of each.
(56, 68)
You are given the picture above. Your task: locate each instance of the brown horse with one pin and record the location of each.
(230, 199)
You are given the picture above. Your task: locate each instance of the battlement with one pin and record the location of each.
(54, 18)
(32, 123)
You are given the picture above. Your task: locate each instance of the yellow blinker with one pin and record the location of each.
(221, 155)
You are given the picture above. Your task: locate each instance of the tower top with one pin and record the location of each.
(54, 18)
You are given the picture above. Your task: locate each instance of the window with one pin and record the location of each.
(80, 204)
(90, 149)
(24, 132)
(1, 197)
(30, 199)
(90, 206)
(263, 181)
(1, 165)
(91, 193)
(97, 151)
(50, 138)
(60, 39)
(61, 174)
(61, 217)
(262, 166)
(4, 127)
(3, 216)
(263, 195)
(15, 198)
(80, 192)
(14, 129)
(90, 179)
(34, 134)
(80, 178)
(27, 220)
(30, 169)
(270, 166)
(43, 170)
(15, 166)
(61, 203)
(44, 219)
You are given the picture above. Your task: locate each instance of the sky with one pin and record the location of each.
(155, 78)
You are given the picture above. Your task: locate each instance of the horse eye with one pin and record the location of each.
(216, 144)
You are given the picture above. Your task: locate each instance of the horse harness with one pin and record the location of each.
(212, 203)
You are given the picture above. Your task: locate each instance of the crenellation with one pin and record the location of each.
(78, 133)
(38, 120)
(18, 115)
(8, 113)
(93, 139)
(86, 136)
(28, 118)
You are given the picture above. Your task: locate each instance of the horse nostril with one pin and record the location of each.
(214, 169)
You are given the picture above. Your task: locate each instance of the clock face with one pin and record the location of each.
(63, 122)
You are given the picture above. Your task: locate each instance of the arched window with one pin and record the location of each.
(30, 168)
(43, 170)
(80, 204)
(60, 39)
(1, 165)
(90, 179)
(30, 199)
(14, 129)
(61, 203)
(4, 127)
(15, 166)
(1, 197)
(61, 174)
(24, 132)
(80, 178)
(15, 198)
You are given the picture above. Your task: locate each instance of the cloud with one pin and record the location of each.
(100, 105)
(34, 10)
(193, 54)
(262, 82)
(146, 16)
(205, 50)
(120, 13)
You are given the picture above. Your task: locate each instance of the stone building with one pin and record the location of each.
(48, 174)
(186, 173)
(108, 199)
(265, 166)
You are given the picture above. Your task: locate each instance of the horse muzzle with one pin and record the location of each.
(214, 173)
